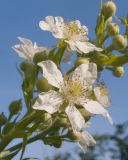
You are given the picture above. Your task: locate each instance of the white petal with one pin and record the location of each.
(48, 24)
(76, 119)
(19, 50)
(44, 26)
(59, 20)
(50, 20)
(101, 94)
(86, 73)
(96, 108)
(25, 41)
(71, 44)
(48, 101)
(86, 47)
(77, 22)
(86, 140)
(51, 73)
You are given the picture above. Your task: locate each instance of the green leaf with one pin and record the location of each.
(59, 55)
(10, 156)
(51, 54)
(123, 21)
(99, 30)
(8, 127)
(23, 147)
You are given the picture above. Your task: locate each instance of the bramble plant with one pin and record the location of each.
(59, 106)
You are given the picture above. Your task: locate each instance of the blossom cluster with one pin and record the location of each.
(73, 91)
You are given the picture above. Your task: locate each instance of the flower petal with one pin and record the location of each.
(86, 73)
(19, 49)
(96, 108)
(48, 24)
(48, 101)
(51, 73)
(86, 47)
(71, 45)
(76, 119)
(86, 140)
(101, 94)
(25, 41)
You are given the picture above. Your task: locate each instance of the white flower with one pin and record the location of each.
(75, 89)
(101, 94)
(72, 33)
(27, 49)
(85, 140)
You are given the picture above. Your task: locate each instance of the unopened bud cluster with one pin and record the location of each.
(112, 29)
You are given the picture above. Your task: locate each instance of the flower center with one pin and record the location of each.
(72, 91)
(71, 30)
(75, 89)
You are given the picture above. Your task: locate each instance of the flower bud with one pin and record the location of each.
(15, 107)
(38, 57)
(119, 42)
(73, 136)
(118, 71)
(3, 119)
(112, 29)
(46, 117)
(108, 9)
(43, 85)
(81, 60)
(26, 67)
(63, 122)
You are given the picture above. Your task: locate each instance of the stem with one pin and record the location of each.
(35, 138)
(6, 140)
(108, 49)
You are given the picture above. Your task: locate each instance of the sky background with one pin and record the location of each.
(21, 18)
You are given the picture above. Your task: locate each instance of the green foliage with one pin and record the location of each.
(54, 129)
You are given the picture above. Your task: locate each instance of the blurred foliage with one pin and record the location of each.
(109, 146)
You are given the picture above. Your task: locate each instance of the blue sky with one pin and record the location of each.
(21, 18)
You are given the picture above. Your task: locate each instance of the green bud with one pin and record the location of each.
(46, 117)
(38, 57)
(26, 67)
(81, 60)
(118, 71)
(73, 136)
(43, 85)
(15, 107)
(3, 119)
(112, 29)
(119, 42)
(63, 122)
(108, 9)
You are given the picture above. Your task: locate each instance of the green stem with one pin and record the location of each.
(33, 139)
